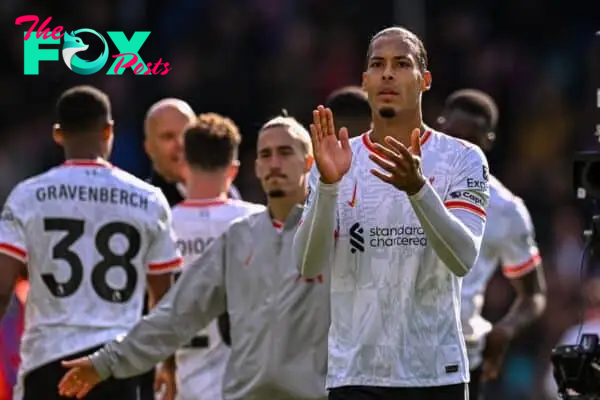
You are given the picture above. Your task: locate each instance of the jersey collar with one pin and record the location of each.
(366, 138)
(215, 201)
(291, 221)
(99, 162)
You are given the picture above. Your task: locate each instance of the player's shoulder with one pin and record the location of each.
(249, 221)
(443, 142)
(246, 207)
(506, 202)
(127, 179)
(26, 188)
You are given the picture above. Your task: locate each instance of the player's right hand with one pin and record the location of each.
(80, 379)
(333, 156)
(165, 383)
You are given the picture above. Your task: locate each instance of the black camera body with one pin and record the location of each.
(586, 182)
(577, 368)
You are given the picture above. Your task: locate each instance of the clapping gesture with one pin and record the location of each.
(403, 166)
(332, 156)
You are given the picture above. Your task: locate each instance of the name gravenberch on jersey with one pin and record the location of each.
(92, 194)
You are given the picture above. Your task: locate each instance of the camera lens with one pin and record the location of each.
(591, 178)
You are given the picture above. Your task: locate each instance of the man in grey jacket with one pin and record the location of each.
(279, 321)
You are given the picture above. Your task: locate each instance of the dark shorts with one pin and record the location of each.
(42, 384)
(450, 392)
(476, 385)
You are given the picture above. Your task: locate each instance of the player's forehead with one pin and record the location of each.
(393, 46)
(275, 137)
(167, 120)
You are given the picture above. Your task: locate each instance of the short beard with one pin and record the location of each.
(276, 194)
(387, 112)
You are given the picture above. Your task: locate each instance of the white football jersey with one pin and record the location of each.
(89, 233)
(197, 223)
(395, 306)
(509, 241)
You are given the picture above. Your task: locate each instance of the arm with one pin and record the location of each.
(164, 258)
(455, 228)
(13, 250)
(522, 264)
(196, 299)
(314, 241)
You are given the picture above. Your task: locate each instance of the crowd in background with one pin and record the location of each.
(248, 59)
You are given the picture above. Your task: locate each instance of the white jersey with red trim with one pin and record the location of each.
(88, 233)
(197, 223)
(395, 305)
(509, 241)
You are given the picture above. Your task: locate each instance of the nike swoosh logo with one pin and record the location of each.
(352, 203)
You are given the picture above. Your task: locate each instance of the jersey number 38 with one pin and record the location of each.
(74, 229)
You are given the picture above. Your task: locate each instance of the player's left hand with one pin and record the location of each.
(403, 166)
(80, 379)
(165, 382)
(496, 345)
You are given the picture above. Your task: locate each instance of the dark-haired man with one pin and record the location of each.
(211, 145)
(350, 108)
(508, 240)
(380, 218)
(90, 235)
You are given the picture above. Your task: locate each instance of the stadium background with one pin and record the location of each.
(249, 59)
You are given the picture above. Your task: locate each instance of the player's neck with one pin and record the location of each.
(400, 127)
(202, 186)
(85, 155)
(281, 207)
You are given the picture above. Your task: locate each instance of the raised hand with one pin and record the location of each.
(80, 379)
(333, 156)
(403, 166)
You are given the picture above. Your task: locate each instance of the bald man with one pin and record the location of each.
(163, 128)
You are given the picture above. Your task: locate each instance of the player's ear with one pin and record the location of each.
(57, 134)
(256, 168)
(107, 133)
(488, 143)
(233, 170)
(363, 83)
(426, 81)
(308, 163)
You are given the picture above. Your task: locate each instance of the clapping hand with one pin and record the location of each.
(332, 156)
(403, 166)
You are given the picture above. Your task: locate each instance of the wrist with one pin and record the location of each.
(411, 191)
(326, 181)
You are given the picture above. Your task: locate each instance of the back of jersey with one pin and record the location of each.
(201, 364)
(89, 234)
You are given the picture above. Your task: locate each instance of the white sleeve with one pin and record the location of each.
(455, 227)
(163, 254)
(314, 240)
(519, 253)
(12, 231)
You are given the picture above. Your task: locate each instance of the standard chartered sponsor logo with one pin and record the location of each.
(403, 235)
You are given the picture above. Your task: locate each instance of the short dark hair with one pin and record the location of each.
(474, 102)
(349, 101)
(211, 142)
(409, 37)
(83, 109)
